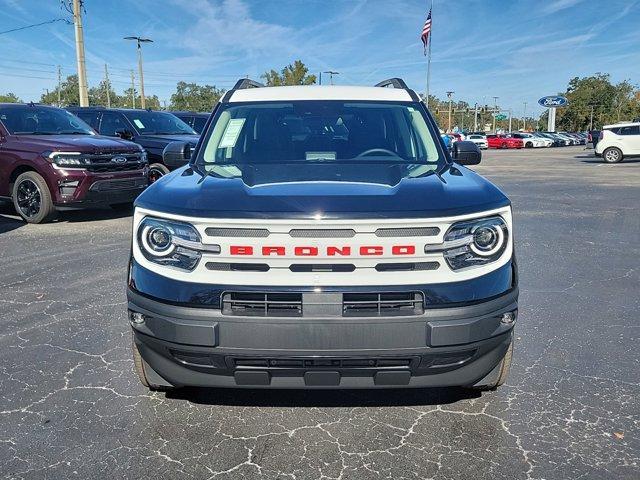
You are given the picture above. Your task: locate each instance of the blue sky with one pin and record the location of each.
(518, 50)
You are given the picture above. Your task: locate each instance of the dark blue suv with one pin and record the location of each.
(322, 237)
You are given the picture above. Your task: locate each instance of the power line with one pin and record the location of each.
(37, 25)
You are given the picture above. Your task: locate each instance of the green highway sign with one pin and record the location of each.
(501, 117)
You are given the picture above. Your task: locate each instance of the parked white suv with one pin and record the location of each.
(619, 141)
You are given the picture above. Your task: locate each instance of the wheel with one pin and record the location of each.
(503, 145)
(157, 170)
(122, 207)
(612, 155)
(503, 370)
(138, 363)
(529, 145)
(32, 199)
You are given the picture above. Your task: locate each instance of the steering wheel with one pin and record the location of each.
(377, 150)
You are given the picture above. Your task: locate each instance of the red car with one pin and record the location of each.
(502, 141)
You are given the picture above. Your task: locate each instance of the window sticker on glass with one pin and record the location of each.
(231, 133)
(138, 123)
(321, 156)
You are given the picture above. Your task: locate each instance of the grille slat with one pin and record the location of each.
(408, 232)
(320, 233)
(237, 232)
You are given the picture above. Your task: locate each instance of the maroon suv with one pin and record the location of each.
(51, 160)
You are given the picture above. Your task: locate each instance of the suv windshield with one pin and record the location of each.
(158, 123)
(322, 132)
(38, 120)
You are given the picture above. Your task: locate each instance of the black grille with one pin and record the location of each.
(382, 304)
(322, 267)
(237, 267)
(407, 267)
(101, 163)
(321, 362)
(262, 304)
(111, 185)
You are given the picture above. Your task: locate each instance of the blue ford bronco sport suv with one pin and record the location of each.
(322, 237)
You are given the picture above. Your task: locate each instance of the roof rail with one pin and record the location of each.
(394, 82)
(245, 83)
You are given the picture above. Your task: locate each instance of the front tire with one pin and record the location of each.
(612, 155)
(139, 367)
(32, 198)
(157, 171)
(503, 370)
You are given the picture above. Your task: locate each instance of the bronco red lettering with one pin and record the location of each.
(275, 250)
(306, 251)
(403, 250)
(241, 250)
(371, 250)
(333, 251)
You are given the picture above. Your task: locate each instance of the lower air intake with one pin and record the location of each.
(262, 304)
(382, 304)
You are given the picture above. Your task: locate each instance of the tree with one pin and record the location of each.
(98, 95)
(293, 74)
(194, 97)
(69, 94)
(9, 98)
(126, 100)
(609, 103)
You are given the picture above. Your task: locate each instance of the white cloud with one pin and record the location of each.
(558, 5)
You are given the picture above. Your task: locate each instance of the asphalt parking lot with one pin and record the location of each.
(71, 406)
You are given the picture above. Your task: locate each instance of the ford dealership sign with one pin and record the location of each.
(553, 101)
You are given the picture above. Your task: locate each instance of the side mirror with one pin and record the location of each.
(176, 154)
(124, 134)
(466, 153)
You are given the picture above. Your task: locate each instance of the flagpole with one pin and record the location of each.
(429, 55)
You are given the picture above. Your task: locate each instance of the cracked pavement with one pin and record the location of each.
(71, 407)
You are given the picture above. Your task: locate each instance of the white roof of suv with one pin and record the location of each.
(622, 124)
(319, 92)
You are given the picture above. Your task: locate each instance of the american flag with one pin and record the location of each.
(426, 30)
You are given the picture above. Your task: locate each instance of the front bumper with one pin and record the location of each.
(186, 346)
(77, 188)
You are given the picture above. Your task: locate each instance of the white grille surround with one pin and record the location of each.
(365, 273)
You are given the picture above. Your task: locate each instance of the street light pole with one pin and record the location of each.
(495, 112)
(331, 74)
(82, 68)
(449, 97)
(524, 117)
(140, 40)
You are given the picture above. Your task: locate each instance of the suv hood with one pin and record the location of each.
(455, 191)
(76, 143)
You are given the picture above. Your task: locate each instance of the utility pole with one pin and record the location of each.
(509, 120)
(107, 85)
(591, 120)
(140, 40)
(82, 68)
(524, 117)
(495, 112)
(320, 76)
(475, 117)
(59, 86)
(331, 74)
(449, 97)
(133, 90)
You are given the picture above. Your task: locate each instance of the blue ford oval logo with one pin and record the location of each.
(119, 159)
(553, 101)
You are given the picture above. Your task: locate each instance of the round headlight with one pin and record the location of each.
(156, 239)
(487, 239)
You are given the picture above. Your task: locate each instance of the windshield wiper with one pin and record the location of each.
(73, 132)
